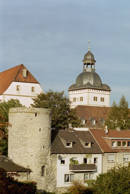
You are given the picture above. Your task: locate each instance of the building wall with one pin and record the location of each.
(24, 94)
(29, 141)
(63, 169)
(88, 95)
(118, 160)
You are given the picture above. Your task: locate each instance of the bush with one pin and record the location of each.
(78, 188)
(115, 181)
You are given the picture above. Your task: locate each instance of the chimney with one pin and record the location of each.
(106, 130)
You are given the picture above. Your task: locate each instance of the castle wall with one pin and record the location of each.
(29, 141)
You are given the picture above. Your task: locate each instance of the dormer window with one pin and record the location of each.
(87, 144)
(124, 143)
(24, 73)
(114, 143)
(69, 144)
(119, 143)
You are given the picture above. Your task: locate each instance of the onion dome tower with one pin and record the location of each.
(88, 88)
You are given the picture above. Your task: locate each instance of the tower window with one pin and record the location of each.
(81, 98)
(95, 98)
(74, 99)
(17, 87)
(43, 171)
(32, 89)
(102, 99)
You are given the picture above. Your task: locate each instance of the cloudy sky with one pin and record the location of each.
(50, 37)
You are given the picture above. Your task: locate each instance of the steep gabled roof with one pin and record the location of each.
(100, 136)
(15, 75)
(76, 137)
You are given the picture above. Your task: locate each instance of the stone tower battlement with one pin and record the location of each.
(29, 140)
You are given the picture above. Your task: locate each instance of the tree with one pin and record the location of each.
(4, 110)
(115, 181)
(119, 116)
(61, 114)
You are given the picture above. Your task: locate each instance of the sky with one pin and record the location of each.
(50, 37)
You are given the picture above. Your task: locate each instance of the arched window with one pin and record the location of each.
(43, 171)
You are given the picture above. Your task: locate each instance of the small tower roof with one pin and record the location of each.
(89, 58)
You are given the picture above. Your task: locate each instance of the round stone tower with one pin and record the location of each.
(29, 141)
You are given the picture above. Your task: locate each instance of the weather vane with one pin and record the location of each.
(89, 45)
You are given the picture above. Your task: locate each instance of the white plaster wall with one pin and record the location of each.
(88, 95)
(24, 95)
(63, 169)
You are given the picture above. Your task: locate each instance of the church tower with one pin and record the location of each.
(88, 89)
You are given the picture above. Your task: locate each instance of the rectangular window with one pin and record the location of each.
(95, 160)
(17, 87)
(74, 99)
(88, 176)
(102, 99)
(126, 157)
(85, 160)
(32, 89)
(95, 98)
(68, 178)
(128, 143)
(111, 157)
(62, 161)
(81, 98)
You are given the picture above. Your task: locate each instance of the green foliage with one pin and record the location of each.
(61, 114)
(79, 188)
(73, 161)
(115, 181)
(4, 111)
(10, 186)
(119, 116)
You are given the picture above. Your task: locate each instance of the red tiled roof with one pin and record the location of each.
(14, 74)
(100, 136)
(92, 111)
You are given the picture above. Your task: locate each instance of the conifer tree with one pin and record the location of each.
(119, 116)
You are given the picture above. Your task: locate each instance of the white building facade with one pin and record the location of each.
(89, 89)
(18, 83)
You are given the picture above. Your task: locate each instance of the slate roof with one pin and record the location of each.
(9, 166)
(83, 167)
(101, 137)
(14, 75)
(76, 137)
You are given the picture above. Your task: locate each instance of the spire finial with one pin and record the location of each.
(89, 45)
